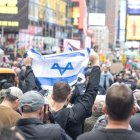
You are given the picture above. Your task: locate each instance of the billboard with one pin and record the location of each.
(133, 7)
(8, 7)
(14, 14)
(96, 19)
(133, 28)
(76, 15)
(122, 21)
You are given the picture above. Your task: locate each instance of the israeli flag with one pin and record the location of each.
(65, 67)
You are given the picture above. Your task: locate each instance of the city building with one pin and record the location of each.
(13, 16)
(96, 6)
(37, 23)
(110, 9)
(133, 20)
(97, 21)
(122, 21)
(102, 37)
(79, 18)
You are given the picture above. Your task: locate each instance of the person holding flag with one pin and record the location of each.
(72, 119)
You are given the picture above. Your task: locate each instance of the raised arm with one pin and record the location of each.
(83, 108)
(30, 80)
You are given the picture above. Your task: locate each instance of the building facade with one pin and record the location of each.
(112, 8)
(102, 38)
(96, 6)
(79, 20)
(37, 23)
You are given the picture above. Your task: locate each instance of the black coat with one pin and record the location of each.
(72, 119)
(110, 134)
(135, 122)
(30, 82)
(34, 129)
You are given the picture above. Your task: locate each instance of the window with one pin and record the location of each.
(75, 4)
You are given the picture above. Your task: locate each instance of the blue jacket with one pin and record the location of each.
(109, 79)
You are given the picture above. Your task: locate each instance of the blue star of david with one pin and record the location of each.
(62, 70)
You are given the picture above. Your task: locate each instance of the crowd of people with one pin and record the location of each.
(105, 106)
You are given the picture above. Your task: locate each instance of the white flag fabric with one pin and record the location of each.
(66, 67)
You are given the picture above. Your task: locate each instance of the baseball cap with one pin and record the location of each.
(31, 101)
(14, 91)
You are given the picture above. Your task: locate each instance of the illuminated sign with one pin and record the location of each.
(14, 13)
(8, 7)
(76, 12)
(76, 15)
(96, 19)
(133, 28)
(9, 23)
(133, 7)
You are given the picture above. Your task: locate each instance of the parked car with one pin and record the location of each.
(7, 75)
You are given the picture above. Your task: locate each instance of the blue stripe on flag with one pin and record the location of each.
(70, 49)
(88, 49)
(69, 54)
(52, 81)
(34, 51)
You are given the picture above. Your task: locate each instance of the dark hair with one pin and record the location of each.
(9, 97)
(6, 85)
(60, 91)
(119, 102)
(8, 133)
